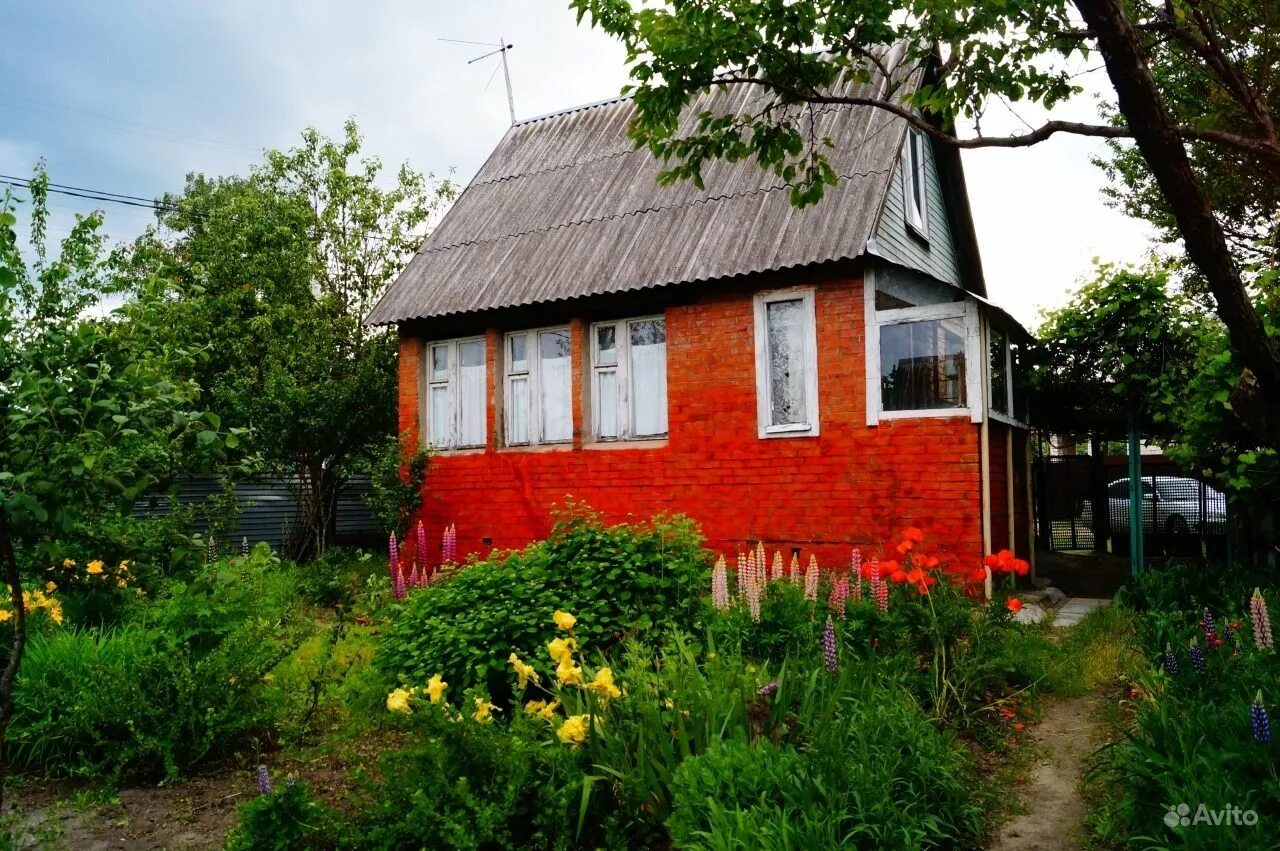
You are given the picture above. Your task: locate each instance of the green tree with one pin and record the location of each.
(94, 409)
(274, 272)
(966, 55)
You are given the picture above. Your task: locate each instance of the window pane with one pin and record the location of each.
(999, 371)
(439, 362)
(784, 326)
(606, 345)
(649, 377)
(439, 417)
(471, 394)
(471, 354)
(554, 380)
(518, 357)
(517, 410)
(607, 403)
(922, 365)
(917, 174)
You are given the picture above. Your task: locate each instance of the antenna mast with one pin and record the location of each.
(502, 48)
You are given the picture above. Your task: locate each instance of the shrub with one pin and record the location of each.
(471, 786)
(160, 694)
(282, 820)
(336, 578)
(620, 580)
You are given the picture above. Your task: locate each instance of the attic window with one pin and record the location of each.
(915, 184)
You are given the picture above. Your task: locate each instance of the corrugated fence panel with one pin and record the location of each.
(268, 508)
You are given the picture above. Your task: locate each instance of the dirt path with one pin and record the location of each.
(1055, 810)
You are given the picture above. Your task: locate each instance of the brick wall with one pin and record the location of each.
(853, 484)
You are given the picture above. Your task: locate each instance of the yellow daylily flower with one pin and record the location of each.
(483, 711)
(574, 729)
(93, 567)
(524, 672)
(5, 614)
(564, 620)
(398, 701)
(436, 688)
(603, 685)
(562, 649)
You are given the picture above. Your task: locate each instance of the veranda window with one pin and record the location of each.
(455, 403)
(538, 398)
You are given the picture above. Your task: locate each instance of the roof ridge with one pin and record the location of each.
(619, 98)
(615, 216)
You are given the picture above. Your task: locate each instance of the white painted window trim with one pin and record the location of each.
(451, 382)
(533, 357)
(626, 410)
(914, 172)
(764, 402)
(974, 353)
(1009, 418)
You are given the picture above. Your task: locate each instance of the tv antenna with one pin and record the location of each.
(501, 47)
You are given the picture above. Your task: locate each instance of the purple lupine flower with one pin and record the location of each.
(263, 780)
(829, 655)
(1210, 629)
(1259, 720)
(1170, 661)
(1261, 620)
(1197, 656)
(1229, 635)
(769, 688)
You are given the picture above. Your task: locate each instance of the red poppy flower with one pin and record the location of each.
(1019, 726)
(905, 547)
(911, 533)
(1013, 604)
(1020, 567)
(898, 576)
(977, 575)
(915, 576)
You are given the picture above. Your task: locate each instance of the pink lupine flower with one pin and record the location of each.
(811, 580)
(1261, 620)
(777, 566)
(839, 594)
(720, 585)
(753, 596)
(393, 557)
(879, 588)
(397, 583)
(830, 656)
(422, 545)
(796, 578)
(855, 571)
(742, 574)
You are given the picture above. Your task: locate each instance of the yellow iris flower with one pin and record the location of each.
(564, 620)
(524, 672)
(436, 688)
(398, 701)
(574, 729)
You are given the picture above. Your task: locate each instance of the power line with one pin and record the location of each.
(135, 200)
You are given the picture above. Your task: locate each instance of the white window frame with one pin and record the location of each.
(973, 353)
(626, 415)
(915, 172)
(1010, 418)
(764, 400)
(533, 356)
(426, 381)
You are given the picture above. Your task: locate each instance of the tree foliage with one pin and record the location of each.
(94, 407)
(275, 272)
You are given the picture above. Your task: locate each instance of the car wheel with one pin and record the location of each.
(1176, 526)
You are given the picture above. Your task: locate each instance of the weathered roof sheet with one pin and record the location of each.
(566, 207)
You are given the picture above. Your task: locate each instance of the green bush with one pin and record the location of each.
(155, 696)
(471, 786)
(337, 578)
(619, 580)
(286, 819)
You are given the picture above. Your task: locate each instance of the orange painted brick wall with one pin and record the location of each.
(852, 485)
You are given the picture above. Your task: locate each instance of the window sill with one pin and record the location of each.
(1008, 420)
(920, 232)
(929, 413)
(798, 430)
(540, 447)
(462, 450)
(638, 443)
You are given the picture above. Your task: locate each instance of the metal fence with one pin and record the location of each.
(1083, 503)
(268, 508)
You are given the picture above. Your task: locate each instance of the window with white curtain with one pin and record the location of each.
(454, 408)
(786, 363)
(538, 399)
(629, 379)
(915, 182)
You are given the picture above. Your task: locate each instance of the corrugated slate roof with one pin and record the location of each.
(566, 206)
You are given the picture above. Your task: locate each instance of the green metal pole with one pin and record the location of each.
(1136, 560)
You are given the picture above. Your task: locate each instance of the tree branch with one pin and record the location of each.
(1260, 148)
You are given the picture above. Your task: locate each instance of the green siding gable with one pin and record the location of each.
(897, 242)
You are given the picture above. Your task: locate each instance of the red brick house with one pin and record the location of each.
(814, 378)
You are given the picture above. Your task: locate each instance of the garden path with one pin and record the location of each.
(1054, 817)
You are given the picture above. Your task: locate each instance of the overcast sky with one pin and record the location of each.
(130, 97)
